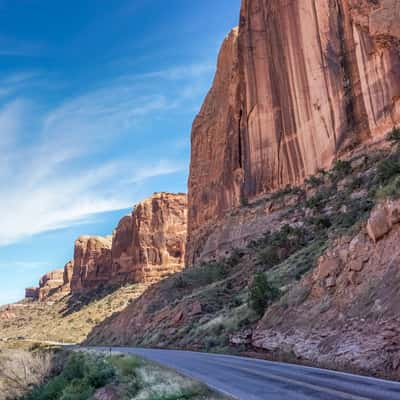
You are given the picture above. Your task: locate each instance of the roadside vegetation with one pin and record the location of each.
(41, 373)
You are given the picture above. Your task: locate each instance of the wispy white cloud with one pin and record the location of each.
(57, 168)
(11, 84)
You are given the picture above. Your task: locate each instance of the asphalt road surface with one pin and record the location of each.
(252, 379)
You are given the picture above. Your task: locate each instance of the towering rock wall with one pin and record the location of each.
(298, 83)
(150, 244)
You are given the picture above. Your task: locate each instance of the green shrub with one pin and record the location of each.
(201, 275)
(78, 389)
(50, 391)
(98, 372)
(275, 247)
(262, 294)
(388, 168)
(74, 367)
(286, 191)
(314, 181)
(235, 258)
(394, 135)
(126, 366)
(320, 199)
(391, 189)
(341, 168)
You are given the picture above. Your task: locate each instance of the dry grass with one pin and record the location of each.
(67, 320)
(21, 370)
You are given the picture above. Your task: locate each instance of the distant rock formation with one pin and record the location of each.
(50, 282)
(150, 244)
(147, 246)
(92, 263)
(297, 83)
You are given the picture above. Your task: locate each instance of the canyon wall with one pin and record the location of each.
(146, 246)
(297, 84)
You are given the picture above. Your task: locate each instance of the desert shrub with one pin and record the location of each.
(320, 222)
(388, 168)
(320, 199)
(126, 366)
(77, 390)
(314, 181)
(298, 264)
(98, 372)
(74, 367)
(341, 168)
(201, 275)
(262, 294)
(286, 191)
(394, 135)
(79, 378)
(275, 247)
(52, 391)
(391, 189)
(235, 258)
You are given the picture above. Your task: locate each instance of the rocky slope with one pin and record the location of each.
(351, 314)
(328, 251)
(297, 84)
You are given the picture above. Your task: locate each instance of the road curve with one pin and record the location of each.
(252, 379)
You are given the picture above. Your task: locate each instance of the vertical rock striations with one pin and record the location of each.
(297, 83)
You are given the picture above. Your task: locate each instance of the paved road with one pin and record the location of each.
(251, 379)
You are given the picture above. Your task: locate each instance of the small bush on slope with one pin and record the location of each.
(394, 135)
(262, 293)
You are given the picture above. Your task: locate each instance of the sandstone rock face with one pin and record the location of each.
(49, 283)
(351, 311)
(150, 244)
(67, 277)
(296, 84)
(92, 263)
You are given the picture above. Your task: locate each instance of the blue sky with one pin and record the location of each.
(97, 99)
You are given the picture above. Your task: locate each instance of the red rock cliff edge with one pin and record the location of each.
(297, 83)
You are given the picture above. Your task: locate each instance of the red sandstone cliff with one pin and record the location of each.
(150, 244)
(92, 263)
(296, 84)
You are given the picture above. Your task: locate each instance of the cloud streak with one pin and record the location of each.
(56, 167)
